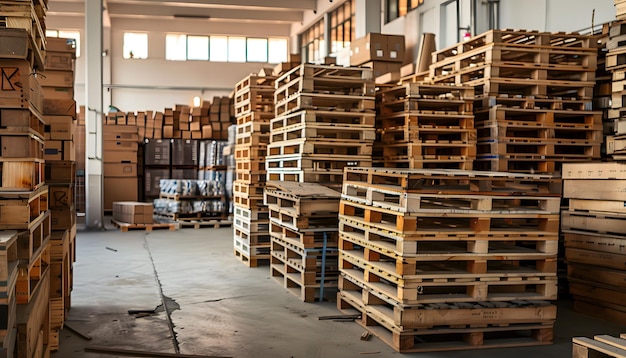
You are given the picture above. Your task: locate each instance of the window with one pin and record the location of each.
(225, 48)
(135, 45)
(313, 44)
(398, 8)
(175, 47)
(342, 26)
(277, 50)
(218, 49)
(455, 22)
(236, 49)
(256, 50)
(198, 48)
(75, 35)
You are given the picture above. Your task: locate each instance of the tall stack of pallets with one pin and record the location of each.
(254, 107)
(24, 216)
(594, 228)
(426, 126)
(616, 64)
(533, 94)
(324, 122)
(304, 234)
(449, 259)
(60, 153)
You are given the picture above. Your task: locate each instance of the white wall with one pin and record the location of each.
(130, 80)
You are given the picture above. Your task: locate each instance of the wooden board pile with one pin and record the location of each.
(600, 346)
(254, 107)
(304, 237)
(426, 126)
(324, 121)
(449, 259)
(616, 64)
(533, 97)
(594, 228)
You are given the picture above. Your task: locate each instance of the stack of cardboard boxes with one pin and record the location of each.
(382, 53)
(120, 146)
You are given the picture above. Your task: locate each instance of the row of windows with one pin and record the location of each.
(201, 48)
(399, 8)
(341, 29)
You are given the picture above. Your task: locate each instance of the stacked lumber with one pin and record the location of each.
(533, 97)
(254, 107)
(449, 259)
(616, 64)
(594, 229)
(59, 109)
(324, 121)
(426, 126)
(600, 346)
(304, 236)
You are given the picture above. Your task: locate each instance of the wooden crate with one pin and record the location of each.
(18, 209)
(21, 89)
(33, 321)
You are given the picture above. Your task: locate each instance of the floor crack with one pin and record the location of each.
(167, 303)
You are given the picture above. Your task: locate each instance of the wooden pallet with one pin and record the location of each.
(255, 81)
(305, 238)
(321, 163)
(468, 335)
(259, 214)
(203, 223)
(412, 126)
(250, 152)
(328, 77)
(314, 133)
(253, 128)
(247, 201)
(254, 190)
(251, 226)
(252, 261)
(531, 102)
(252, 239)
(433, 106)
(254, 117)
(250, 250)
(124, 227)
(324, 119)
(321, 147)
(324, 102)
(599, 346)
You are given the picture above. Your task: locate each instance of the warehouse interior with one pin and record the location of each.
(312, 178)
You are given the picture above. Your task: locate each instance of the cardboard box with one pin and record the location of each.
(157, 152)
(58, 92)
(120, 156)
(184, 174)
(120, 169)
(380, 68)
(396, 49)
(60, 171)
(119, 189)
(56, 44)
(152, 178)
(62, 218)
(133, 212)
(14, 43)
(59, 150)
(59, 127)
(56, 78)
(21, 146)
(63, 61)
(63, 107)
(110, 145)
(185, 152)
(377, 47)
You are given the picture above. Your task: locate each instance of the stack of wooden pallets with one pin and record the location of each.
(599, 346)
(533, 97)
(450, 259)
(304, 233)
(426, 126)
(594, 228)
(254, 107)
(616, 64)
(324, 122)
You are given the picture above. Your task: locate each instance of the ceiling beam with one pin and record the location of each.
(267, 4)
(147, 11)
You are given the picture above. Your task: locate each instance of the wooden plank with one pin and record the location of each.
(615, 206)
(596, 346)
(595, 189)
(607, 170)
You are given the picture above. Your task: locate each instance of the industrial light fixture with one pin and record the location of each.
(196, 101)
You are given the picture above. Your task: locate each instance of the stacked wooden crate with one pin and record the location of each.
(59, 109)
(616, 64)
(426, 126)
(8, 276)
(254, 107)
(304, 233)
(533, 97)
(594, 228)
(449, 259)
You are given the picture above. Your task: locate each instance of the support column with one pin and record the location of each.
(368, 17)
(93, 117)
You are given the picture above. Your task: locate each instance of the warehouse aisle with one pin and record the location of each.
(218, 307)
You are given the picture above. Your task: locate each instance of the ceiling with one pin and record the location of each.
(262, 11)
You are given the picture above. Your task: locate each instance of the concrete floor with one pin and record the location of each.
(220, 307)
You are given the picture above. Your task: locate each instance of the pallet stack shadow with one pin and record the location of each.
(60, 154)
(24, 215)
(425, 126)
(304, 238)
(594, 228)
(254, 107)
(448, 259)
(616, 64)
(533, 91)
